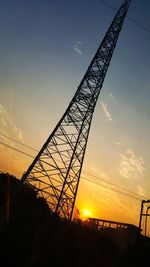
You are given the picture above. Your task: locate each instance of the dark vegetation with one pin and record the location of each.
(31, 235)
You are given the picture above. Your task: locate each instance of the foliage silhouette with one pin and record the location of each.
(34, 236)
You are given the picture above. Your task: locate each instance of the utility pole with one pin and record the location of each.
(143, 214)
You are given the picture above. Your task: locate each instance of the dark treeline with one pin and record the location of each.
(31, 235)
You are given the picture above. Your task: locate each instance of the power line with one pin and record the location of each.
(113, 189)
(4, 165)
(16, 141)
(129, 18)
(97, 177)
(20, 151)
(99, 184)
(94, 176)
(117, 186)
(106, 4)
(135, 195)
(139, 24)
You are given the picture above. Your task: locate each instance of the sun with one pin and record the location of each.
(86, 213)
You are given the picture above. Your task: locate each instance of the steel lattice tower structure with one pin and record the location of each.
(55, 171)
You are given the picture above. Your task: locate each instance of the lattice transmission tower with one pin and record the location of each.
(55, 171)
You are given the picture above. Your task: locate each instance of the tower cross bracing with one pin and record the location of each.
(55, 171)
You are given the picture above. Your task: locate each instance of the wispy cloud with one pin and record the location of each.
(106, 112)
(7, 125)
(77, 48)
(141, 190)
(95, 171)
(110, 94)
(3, 115)
(112, 97)
(118, 144)
(131, 166)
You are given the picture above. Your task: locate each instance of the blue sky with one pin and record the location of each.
(45, 49)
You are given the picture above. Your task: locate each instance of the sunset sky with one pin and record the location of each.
(45, 49)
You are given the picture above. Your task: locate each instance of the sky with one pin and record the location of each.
(45, 49)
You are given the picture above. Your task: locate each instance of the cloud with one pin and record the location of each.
(118, 144)
(106, 112)
(94, 170)
(112, 97)
(76, 47)
(6, 124)
(3, 113)
(131, 166)
(18, 132)
(141, 190)
(110, 94)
